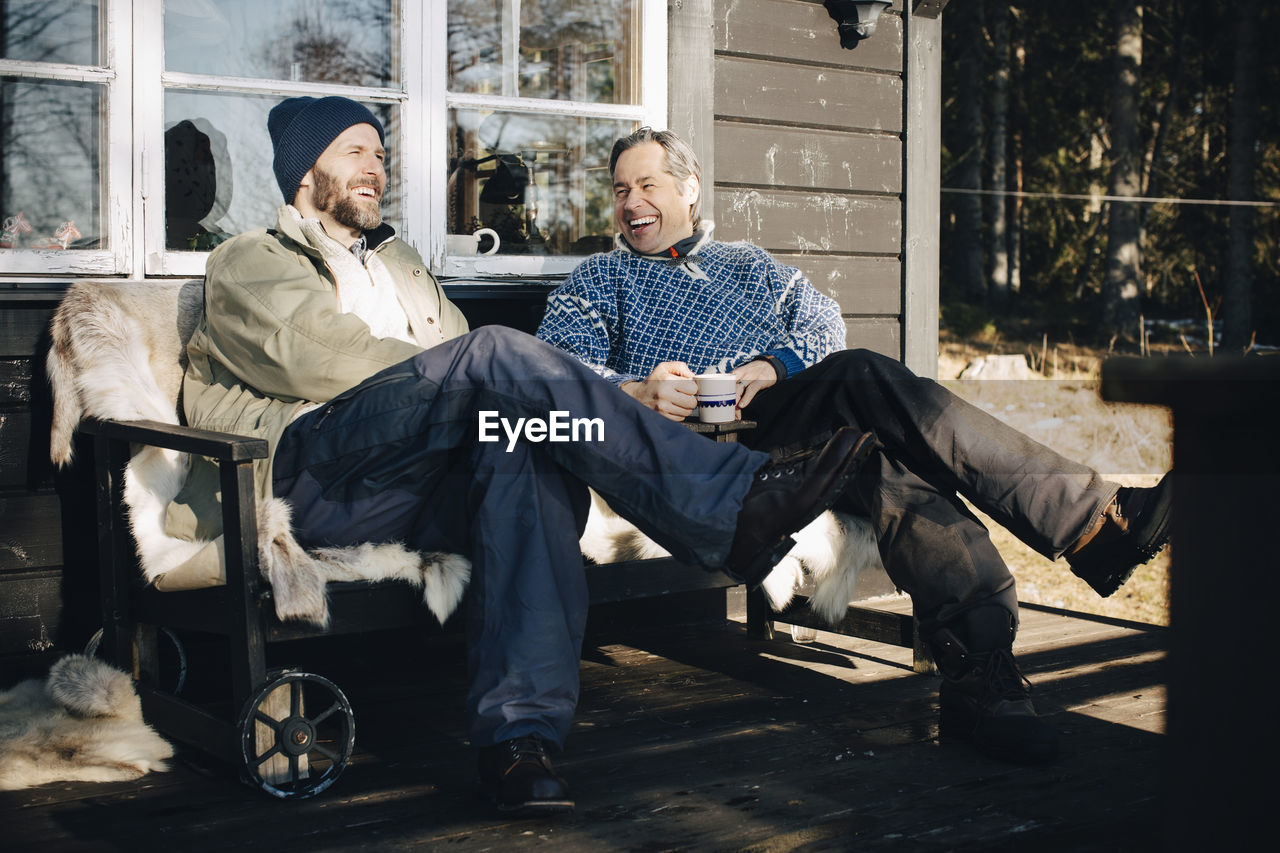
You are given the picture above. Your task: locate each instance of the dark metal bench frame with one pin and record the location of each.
(243, 611)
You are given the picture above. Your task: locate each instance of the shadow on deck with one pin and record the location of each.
(688, 739)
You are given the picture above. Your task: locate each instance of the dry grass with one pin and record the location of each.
(1129, 444)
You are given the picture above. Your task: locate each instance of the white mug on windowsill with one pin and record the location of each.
(469, 244)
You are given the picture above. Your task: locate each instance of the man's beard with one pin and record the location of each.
(345, 210)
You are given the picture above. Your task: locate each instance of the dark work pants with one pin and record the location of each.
(936, 448)
(398, 458)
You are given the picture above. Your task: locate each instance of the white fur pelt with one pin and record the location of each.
(830, 553)
(119, 353)
(81, 724)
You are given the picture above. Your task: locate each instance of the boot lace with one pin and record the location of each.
(528, 748)
(1001, 675)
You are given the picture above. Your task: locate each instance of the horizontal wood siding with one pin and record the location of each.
(862, 286)
(788, 157)
(809, 95)
(808, 153)
(803, 32)
(789, 221)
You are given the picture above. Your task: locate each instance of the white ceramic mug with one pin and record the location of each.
(717, 398)
(469, 244)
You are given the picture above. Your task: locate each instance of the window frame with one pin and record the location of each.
(652, 110)
(115, 111)
(132, 122)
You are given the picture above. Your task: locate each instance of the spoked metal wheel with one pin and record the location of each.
(296, 735)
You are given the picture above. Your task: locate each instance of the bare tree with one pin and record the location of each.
(1121, 292)
(968, 233)
(997, 162)
(1237, 325)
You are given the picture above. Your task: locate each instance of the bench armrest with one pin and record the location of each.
(221, 446)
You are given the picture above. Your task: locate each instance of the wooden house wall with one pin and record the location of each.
(803, 143)
(808, 151)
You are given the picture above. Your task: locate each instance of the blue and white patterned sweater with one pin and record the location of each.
(725, 304)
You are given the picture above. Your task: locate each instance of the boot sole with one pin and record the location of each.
(1114, 563)
(961, 724)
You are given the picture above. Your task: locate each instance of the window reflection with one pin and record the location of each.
(218, 177)
(50, 165)
(540, 181)
(578, 50)
(324, 41)
(50, 31)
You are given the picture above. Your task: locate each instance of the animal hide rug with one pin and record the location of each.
(81, 724)
(829, 554)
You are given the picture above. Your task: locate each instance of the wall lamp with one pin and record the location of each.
(855, 19)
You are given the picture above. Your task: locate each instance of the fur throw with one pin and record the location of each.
(119, 353)
(82, 724)
(829, 555)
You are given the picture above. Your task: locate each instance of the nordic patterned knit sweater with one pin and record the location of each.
(714, 308)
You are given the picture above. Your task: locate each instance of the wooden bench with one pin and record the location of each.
(291, 733)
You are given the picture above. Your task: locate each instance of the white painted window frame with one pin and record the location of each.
(133, 127)
(115, 78)
(153, 80)
(652, 110)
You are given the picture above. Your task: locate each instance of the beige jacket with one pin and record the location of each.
(273, 340)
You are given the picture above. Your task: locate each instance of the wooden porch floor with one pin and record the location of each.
(688, 739)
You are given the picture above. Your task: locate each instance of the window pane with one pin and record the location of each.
(578, 50)
(355, 42)
(50, 163)
(50, 31)
(218, 176)
(541, 182)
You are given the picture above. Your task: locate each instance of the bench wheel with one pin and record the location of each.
(296, 735)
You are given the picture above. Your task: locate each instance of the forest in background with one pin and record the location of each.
(1055, 115)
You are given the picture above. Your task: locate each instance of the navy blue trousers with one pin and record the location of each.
(399, 458)
(937, 447)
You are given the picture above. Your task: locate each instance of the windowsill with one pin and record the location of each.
(485, 266)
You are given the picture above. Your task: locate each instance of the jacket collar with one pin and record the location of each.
(685, 250)
(289, 223)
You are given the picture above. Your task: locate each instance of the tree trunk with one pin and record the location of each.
(997, 160)
(1121, 292)
(967, 251)
(1017, 124)
(1237, 326)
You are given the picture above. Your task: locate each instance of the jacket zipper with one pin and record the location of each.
(348, 394)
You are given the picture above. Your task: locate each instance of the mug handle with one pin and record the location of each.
(496, 242)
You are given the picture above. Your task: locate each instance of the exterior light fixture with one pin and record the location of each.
(855, 19)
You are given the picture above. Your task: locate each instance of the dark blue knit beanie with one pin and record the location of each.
(302, 128)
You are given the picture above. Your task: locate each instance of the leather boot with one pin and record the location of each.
(786, 494)
(985, 698)
(1131, 530)
(517, 776)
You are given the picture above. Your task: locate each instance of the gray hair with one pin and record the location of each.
(680, 161)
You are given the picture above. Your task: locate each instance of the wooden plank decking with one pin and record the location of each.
(687, 739)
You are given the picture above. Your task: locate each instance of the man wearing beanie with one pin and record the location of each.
(327, 336)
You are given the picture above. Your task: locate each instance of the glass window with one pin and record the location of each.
(540, 181)
(50, 31)
(316, 41)
(577, 50)
(50, 142)
(538, 91)
(217, 167)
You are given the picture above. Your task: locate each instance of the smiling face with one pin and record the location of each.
(344, 188)
(653, 209)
